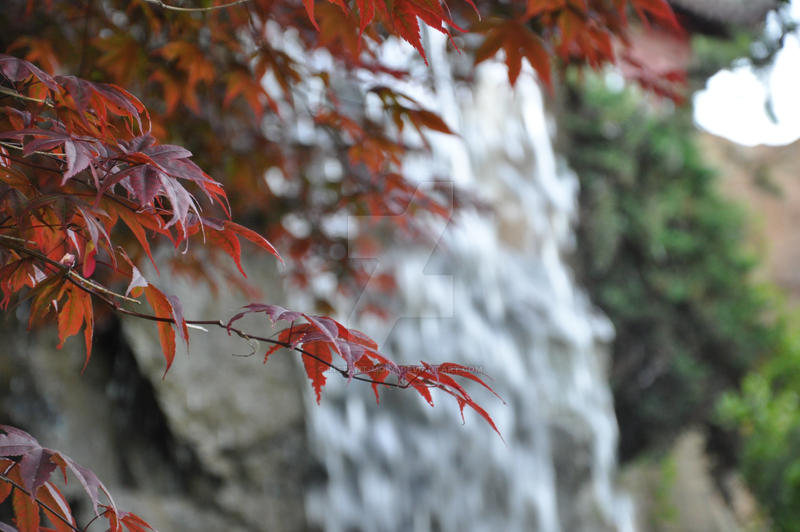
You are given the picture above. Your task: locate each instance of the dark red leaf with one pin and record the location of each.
(19, 70)
(253, 237)
(16, 442)
(91, 484)
(35, 468)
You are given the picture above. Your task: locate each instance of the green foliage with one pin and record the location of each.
(712, 53)
(665, 509)
(766, 413)
(661, 252)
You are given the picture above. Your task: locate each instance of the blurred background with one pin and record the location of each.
(628, 278)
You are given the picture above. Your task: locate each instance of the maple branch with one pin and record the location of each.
(163, 5)
(17, 244)
(43, 504)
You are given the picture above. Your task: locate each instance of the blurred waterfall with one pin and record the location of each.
(496, 294)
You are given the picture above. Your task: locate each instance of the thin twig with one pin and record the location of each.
(163, 5)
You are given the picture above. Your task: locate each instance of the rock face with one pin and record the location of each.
(218, 443)
(679, 494)
(764, 180)
(244, 422)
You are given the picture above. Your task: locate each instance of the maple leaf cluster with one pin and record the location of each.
(25, 470)
(580, 32)
(266, 88)
(76, 164)
(321, 337)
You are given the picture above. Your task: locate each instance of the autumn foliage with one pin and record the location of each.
(90, 185)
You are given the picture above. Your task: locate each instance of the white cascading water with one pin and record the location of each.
(498, 296)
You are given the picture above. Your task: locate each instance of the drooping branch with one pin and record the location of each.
(26, 478)
(242, 334)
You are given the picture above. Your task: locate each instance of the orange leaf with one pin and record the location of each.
(166, 334)
(404, 21)
(270, 351)
(26, 512)
(252, 236)
(227, 242)
(534, 51)
(70, 317)
(133, 221)
(310, 10)
(517, 41)
(5, 487)
(89, 262)
(43, 295)
(422, 117)
(88, 331)
(366, 12)
(52, 497)
(659, 9)
(315, 369)
(537, 7)
(134, 523)
(242, 84)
